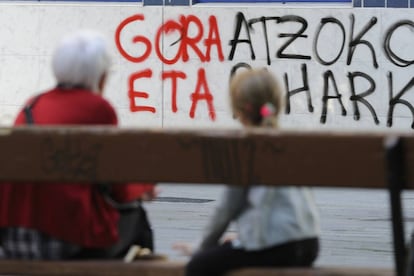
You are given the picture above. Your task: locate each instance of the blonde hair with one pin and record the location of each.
(256, 96)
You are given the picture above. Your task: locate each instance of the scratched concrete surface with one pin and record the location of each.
(356, 229)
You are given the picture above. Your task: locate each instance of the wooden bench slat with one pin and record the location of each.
(89, 268)
(325, 271)
(228, 157)
(234, 157)
(166, 268)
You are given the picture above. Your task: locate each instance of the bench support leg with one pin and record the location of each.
(410, 259)
(395, 166)
(398, 233)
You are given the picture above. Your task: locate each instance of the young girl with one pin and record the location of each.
(277, 226)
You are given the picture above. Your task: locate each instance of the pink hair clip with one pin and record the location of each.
(267, 110)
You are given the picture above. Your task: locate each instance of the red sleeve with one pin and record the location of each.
(132, 191)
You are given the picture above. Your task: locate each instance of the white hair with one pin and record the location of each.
(81, 59)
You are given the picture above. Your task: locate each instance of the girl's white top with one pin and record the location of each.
(265, 216)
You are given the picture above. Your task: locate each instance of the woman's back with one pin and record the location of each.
(276, 214)
(70, 107)
(55, 208)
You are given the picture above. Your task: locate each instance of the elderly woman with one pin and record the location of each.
(62, 221)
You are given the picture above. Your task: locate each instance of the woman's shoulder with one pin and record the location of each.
(96, 106)
(86, 96)
(104, 107)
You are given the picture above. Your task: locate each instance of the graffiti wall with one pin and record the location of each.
(339, 68)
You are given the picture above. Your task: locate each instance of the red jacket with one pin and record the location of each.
(76, 212)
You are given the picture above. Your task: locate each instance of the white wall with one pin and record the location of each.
(29, 32)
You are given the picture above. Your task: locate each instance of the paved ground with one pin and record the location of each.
(355, 223)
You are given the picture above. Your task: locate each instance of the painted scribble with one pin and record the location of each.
(300, 41)
(70, 158)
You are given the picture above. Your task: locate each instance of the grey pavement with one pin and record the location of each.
(355, 223)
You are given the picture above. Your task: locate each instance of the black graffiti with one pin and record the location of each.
(356, 39)
(354, 42)
(293, 36)
(70, 158)
(398, 99)
(325, 21)
(234, 159)
(225, 160)
(222, 161)
(304, 88)
(263, 20)
(237, 67)
(241, 21)
(325, 98)
(394, 58)
(248, 25)
(355, 98)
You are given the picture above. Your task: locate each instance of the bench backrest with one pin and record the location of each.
(234, 157)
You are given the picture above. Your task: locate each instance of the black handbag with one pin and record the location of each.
(134, 227)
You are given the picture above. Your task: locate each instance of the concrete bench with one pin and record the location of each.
(233, 157)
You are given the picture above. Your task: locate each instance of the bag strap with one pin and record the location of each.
(104, 189)
(28, 110)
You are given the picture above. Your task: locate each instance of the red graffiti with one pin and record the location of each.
(213, 39)
(173, 75)
(200, 42)
(132, 94)
(186, 41)
(207, 96)
(135, 39)
(201, 92)
(196, 96)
